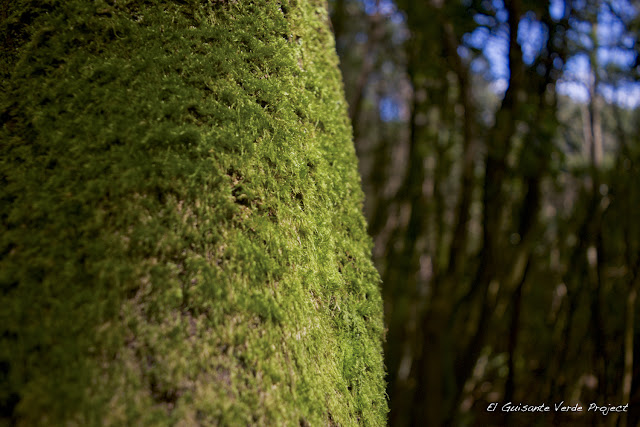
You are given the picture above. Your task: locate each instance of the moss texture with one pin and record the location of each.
(181, 232)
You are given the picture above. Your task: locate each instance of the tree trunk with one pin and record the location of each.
(182, 240)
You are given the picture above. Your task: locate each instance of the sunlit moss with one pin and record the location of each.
(182, 238)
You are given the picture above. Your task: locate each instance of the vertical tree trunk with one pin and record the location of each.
(182, 240)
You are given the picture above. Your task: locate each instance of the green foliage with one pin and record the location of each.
(181, 229)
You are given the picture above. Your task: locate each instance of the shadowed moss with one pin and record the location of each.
(182, 239)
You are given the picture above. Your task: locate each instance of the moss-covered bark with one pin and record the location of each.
(181, 230)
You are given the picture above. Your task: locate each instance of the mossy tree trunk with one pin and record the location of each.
(181, 231)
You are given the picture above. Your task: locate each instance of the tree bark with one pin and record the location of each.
(182, 241)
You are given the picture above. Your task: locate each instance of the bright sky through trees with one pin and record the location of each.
(616, 49)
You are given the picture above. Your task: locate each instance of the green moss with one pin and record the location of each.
(182, 239)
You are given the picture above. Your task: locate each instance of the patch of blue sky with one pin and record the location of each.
(557, 9)
(397, 18)
(577, 78)
(389, 109)
(577, 68)
(494, 48)
(624, 8)
(477, 38)
(532, 37)
(579, 31)
(575, 90)
(610, 29)
(621, 57)
(382, 7)
(627, 97)
(501, 11)
(483, 20)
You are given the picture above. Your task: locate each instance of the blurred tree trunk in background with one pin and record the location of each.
(501, 209)
(181, 235)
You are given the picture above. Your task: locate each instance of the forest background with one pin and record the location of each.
(498, 145)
